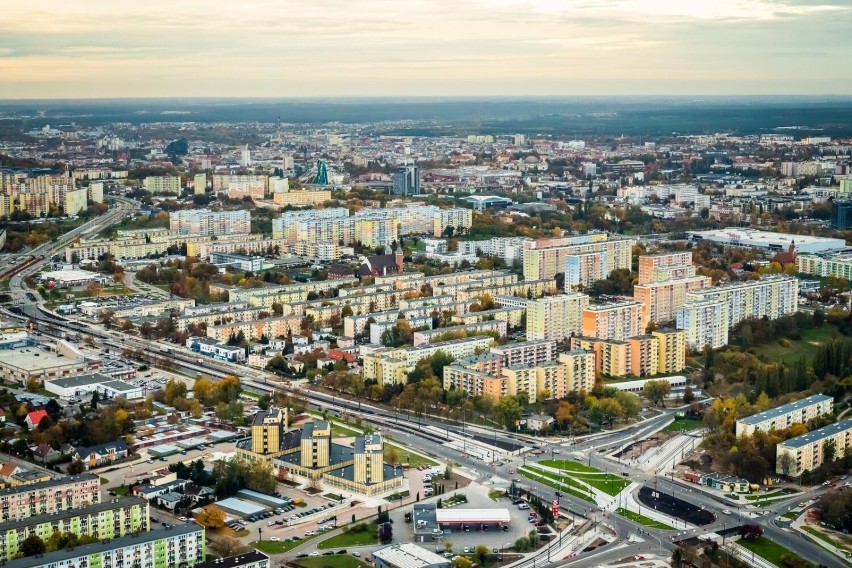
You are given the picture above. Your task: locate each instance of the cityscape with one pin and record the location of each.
(334, 292)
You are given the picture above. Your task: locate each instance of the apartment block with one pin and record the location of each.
(555, 317)
(180, 545)
(662, 267)
(49, 497)
(784, 416)
(104, 521)
(510, 249)
(305, 198)
(808, 450)
(162, 184)
(547, 257)
(838, 265)
(225, 182)
(457, 218)
(644, 355)
(75, 201)
(584, 269)
(671, 355)
(616, 320)
(200, 184)
(204, 222)
(660, 300)
(704, 323)
(771, 297)
(525, 352)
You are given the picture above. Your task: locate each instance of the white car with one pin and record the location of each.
(183, 519)
(314, 553)
(356, 554)
(275, 539)
(726, 512)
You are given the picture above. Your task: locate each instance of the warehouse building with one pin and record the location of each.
(84, 385)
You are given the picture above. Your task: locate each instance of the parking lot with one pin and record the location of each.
(280, 525)
(489, 534)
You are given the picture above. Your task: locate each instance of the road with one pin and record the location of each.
(432, 435)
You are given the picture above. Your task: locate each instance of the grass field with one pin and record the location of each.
(567, 485)
(805, 347)
(277, 547)
(790, 514)
(404, 456)
(770, 495)
(684, 425)
(643, 520)
(766, 549)
(825, 538)
(569, 465)
(342, 540)
(336, 561)
(606, 482)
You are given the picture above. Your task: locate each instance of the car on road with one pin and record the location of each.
(356, 554)
(275, 539)
(523, 506)
(467, 550)
(314, 553)
(726, 512)
(511, 472)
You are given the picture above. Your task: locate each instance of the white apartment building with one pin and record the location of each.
(705, 323)
(771, 297)
(808, 450)
(786, 415)
(204, 222)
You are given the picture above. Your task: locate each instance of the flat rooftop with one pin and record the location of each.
(86, 550)
(409, 555)
(241, 506)
(472, 515)
(33, 359)
(818, 435)
(784, 409)
(93, 509)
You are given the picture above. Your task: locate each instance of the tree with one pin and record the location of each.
(508, 410)
(677, 558)
(211, 518)
(829, 450)
(564, 413)
(76, 467)
(657, 391)
(688, 395)
(462, 562)
(33, 545)
(481, 552)
(228, 546)
(786, 461)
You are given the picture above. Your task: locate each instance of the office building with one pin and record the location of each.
(807, 452)
(162, 184)
(615, 320)
(841, 215)
(204, 222)
(784, 416)
(556, 317)
(267, 432)
(316, 444)
(104, 521)
(704, 323)
(180, 545)
(406, 181)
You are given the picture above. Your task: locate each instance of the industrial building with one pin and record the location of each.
(767, 241)
(84, 385)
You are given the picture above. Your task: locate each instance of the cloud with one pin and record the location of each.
(412, 47)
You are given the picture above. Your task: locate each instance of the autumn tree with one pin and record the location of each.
(33, 545)
(657, 391)
(211, 518)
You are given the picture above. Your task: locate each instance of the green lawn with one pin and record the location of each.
(790, 514)
(607, 482)
(121, 490)
(567, 485)
(643, 520)
(761, 496)
(277, 547)
(569, 465)
(805, 347)
(342, 431)
(4, 285)
(360, 538)
(336, 561)
(405, 456)
(684, 425)
(766, 549)
(824, 537)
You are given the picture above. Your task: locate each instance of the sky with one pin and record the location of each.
(310, 48)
